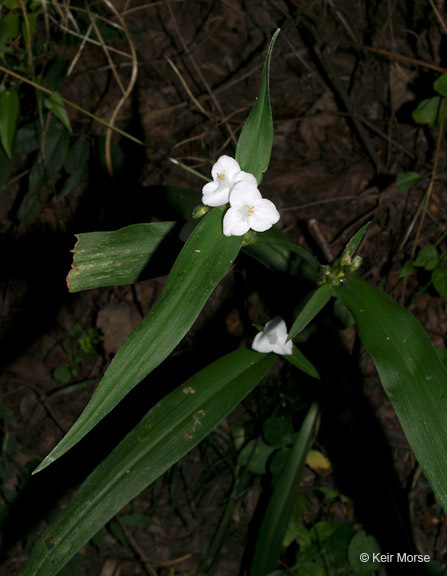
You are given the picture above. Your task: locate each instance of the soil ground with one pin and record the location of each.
(344, 80)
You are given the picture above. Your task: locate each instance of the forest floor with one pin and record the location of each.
(344, 80)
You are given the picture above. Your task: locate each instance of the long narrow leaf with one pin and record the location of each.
(313, 306)
(122, 256)
(202, 263)
(411, 373)
(298, 359)
(271, 534)
(254, 146)
(168, 431)
(9, 113)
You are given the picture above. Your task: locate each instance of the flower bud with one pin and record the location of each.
(200, 211)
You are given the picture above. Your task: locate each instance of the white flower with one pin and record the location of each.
(225, 172)
(248, 209)
(273, 338)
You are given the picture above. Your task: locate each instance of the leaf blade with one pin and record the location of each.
(202, 263)
(122, 256)
(148, 450)
(410, 370)
(269, 541)
(254, 146)
(9, 113)
(313, 306)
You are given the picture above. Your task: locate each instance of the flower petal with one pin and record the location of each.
(261, 343)
(245, 177)
(264, 216)
(233, 224)
(277, 325)
(244, 193)
(210, 187)
(273, 338)
(225, 165)
(284, 349)
(216, 197)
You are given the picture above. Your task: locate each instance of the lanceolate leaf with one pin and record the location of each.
(255, 142)
(269, 542)
(202, 263)
(55, 104)
(123, 256)
(411, 373)
(168, 431)
(9, 112)
(298, 359)
(313, 306)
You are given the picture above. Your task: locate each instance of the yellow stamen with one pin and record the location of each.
(250, 210)
(221, 175)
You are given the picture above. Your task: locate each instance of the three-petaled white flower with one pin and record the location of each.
(226, 172)
(248, 209)
(273, 338)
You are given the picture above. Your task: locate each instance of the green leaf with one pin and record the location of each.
(123, 256)
(4, 35)
(5, 168)
(55, 75)
(9, 113)
(255, 143)
(428, 111)
(76, 165)
(77, 156)
(274, 250)
(62, 374)
(426, 255)
(298, 359)
(353, 245)
(439, 279)
(55, 104)
(28, 138)
(32, 21)
(7, 415)
(168, 431)
(277, 431)
(254, 456)
(276, 518)
(139, 521)
(56, 142)
(407, 269)
(200, 266)
(362, 544)
(406, 180)
(72, 182)
(440, 85)
(12, 22)
(411, 373)
(313, 306)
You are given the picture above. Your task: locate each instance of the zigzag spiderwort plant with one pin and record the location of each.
(408, 365)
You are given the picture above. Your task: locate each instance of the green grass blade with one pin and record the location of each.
(254, 146)
(313, 306)
(298, 359)
(411, 373)
(271, 534)
(202, 263)
(123, 256)
(167, 432)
